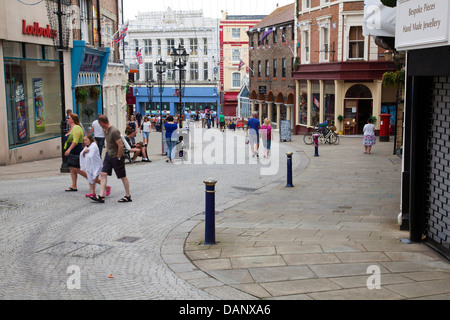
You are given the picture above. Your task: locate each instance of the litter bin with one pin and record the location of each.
(384, 127)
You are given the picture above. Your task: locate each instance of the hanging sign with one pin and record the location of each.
(422, 24)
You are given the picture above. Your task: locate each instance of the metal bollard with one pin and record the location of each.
(210, 211)
(316, 145)
(289, 170)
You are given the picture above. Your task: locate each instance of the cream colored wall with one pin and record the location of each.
(229, 69)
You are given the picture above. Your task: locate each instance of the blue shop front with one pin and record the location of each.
(150, 102)
(88, 69)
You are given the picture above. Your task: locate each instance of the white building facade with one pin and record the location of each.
(156, 34)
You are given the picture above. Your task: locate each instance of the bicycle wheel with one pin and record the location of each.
(308, 138)
(334, 139)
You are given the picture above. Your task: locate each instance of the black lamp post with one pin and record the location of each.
(160, 70)
(180, 57)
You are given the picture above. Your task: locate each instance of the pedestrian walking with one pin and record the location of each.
(197, 119)
(171, 138)
(139, 119)
(266, 137)
(369, 138)
(73, 147)
(114, 160)
(91, 163)
(146, 128)
(222, 122)
(99, 135)
(203, 119)
(208, 119)
(253, 126)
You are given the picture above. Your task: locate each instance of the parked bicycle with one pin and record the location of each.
(326, 135)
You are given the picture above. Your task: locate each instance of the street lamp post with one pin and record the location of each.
(160, 70)
(180, 57)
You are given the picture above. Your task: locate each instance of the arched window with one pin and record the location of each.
(358, 91)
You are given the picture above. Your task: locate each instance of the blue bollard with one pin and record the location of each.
(316, 145)
(210, 211)
(289, 170)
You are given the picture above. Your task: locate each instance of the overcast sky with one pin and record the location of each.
(211, 8)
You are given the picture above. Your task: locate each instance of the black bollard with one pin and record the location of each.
(289, 170)
(210, 211)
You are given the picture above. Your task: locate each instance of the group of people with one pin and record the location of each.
(84, 157)
(254, 130)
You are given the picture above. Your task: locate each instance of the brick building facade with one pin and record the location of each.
(339, 69)
(271, 65)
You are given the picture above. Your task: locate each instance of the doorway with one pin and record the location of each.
(364, 112)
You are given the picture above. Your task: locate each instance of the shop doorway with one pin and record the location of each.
(358, 106)
(364, 112)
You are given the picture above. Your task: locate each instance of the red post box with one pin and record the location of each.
(384, 127)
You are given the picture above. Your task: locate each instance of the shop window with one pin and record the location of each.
(329, 102)
(303, 103)
(315, 104)
(33, 95)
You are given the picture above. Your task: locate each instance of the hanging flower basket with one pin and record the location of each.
(81, 95)
(95, 93)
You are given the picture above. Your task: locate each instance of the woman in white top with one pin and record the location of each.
(369, 136)
(146, 129)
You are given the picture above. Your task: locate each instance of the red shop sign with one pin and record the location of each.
(36, 30)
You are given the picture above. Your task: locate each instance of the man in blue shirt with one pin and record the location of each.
(253, 126)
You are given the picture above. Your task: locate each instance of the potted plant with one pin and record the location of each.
(81, 95)
(95, 92)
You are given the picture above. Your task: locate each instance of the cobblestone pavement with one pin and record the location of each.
(49, 237)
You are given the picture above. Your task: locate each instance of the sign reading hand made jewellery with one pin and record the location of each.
(422, 24)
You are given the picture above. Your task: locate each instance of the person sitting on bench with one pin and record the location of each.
(139, 149)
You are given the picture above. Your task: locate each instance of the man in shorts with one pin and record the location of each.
(113, 160)
(253, 126)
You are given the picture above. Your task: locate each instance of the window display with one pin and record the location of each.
(33, 99)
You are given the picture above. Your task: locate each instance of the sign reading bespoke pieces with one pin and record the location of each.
(422, 24)
(36, 30)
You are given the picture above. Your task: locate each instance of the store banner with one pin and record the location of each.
(21, 113)
(38, 90)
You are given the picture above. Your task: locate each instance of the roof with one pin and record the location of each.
(279, 16)
(246, 17)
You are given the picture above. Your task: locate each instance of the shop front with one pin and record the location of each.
(30, 91)
(88, 69)
(344, 94)
(148, 100)
(426, 162)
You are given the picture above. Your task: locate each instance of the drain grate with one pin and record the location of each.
(75, 249)
(128, 239)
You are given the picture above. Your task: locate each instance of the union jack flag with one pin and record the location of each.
(241, 64)
(139, 56)
(123, 33)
